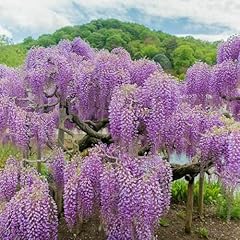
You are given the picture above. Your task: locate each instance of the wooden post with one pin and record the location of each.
(189, 205)
(201, 193)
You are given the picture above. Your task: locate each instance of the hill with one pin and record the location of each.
(175, 54)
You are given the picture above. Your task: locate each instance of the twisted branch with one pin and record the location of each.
(88, 130)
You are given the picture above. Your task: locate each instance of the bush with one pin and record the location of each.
(213, 195)
(202, 232)
(212, 192)
(179, 191)
(222, 208)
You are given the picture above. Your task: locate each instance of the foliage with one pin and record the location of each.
(164, 222)
(222, 204)
(213, 195)
(12, 55)
(212, 192)
(163, 60)
(173, 53)
(7, 150)
(179, 191)
(202, 232)
(183, 57)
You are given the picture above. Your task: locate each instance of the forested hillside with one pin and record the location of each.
(175, 54)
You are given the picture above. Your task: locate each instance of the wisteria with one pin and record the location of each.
(224, 79)
(56, 166)
(103, 126)
(142, 69)
(230, 170)
(131, 189)
(78, 197)
(124, 114)
(30, 214)
(82, 48)
(221, 146)
(29, 177)
(9, 180)
(229, 50)
(197, 84)
(158, 98)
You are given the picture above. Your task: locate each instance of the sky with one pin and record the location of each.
(204, 19)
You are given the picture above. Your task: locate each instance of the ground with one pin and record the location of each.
(215, 228)
(171, 227)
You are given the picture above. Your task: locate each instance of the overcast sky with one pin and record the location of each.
(206, 19)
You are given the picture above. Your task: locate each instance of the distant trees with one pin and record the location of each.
(163, 60)
(174, 53)
(183, 57)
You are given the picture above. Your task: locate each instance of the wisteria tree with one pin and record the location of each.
(125, 118)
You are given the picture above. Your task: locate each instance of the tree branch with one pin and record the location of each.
(144, 150)
(66, 131)
(87, 142)
(191, 169)
(97, 125)
(88, 130)
(48, 105)
(237, 98)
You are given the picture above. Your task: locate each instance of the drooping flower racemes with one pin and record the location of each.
(143, 110)
(30, 214)
(220, 145)
(124, 114)
(123, 188)
(56, 165)
(229, 50)
(197, 86)
(134, 188)
(9, 179)
(81, 189)
(158, 98)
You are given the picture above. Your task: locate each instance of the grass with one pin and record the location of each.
(202, 232)
(181, 214)
(164, 222)
(223, 211)
(6, 151)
